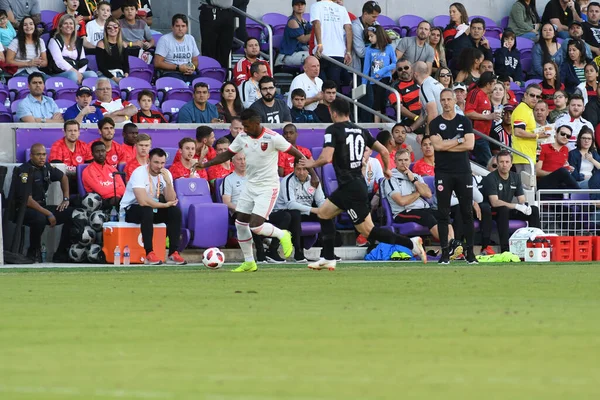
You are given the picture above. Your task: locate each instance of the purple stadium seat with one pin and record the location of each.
(18, 87)
(214, 86)
(173, 89)
(92, 63)
(205, 220)
(28, 153)
(408, 23)
(277, 21)
(80, 189)
(14, 106)
(441, 20)
(61, 88)
(388, 23)
(254, 29)
(526, 64)
(46, 17)
(130, 87)
(139, 69)
(63, 104)
(156, 37)
(5, 114)
(504, 22)
(46, 38)
(4, 94)
(530, 81)
(495, 43)
(277, 39)
(490, 25)
(171, 151)
(170, 108)
(524, 43)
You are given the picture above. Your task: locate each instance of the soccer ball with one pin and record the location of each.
(92, 202)
(88, 236)
(77, 252)
(97, 218)
(80, 215)
(95, 255)
(213, 258)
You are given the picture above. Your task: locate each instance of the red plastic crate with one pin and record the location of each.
(582, 248)
(562, 248)
(596, 248)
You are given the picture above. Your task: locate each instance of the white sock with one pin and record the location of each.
(245, 239)
(268, 230)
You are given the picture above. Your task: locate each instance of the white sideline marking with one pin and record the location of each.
(68, 391)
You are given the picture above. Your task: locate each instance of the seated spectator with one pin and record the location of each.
(146, 115)
(460, 91)
(300, 115)
(417, 48)
(486, 65)
(118, 110)
(560, 106)
(310, 82)
(552, 169)
(409, 91)
(426, 165)
(143, 144)
(507, 59)
(576, 33)
(572, 70)
(113, 61)
(241, 71)
(249, 91)
(394, 141)
(185, 166)
(551, 83)
(103, 179)
(68, 56)
(137, 36)
(71, 9)
(511, 98)
(439, 52)
(130, 133)
(475, 39)
(271, 110)
(176, 53)
(70, 150)
(205, 138)
(573, 119)
(141, 198)
(83, 111)
(546, 49)
(329, 90)
(499, 187)
(17, 10)
(7, 31)
(540, 113)
(95, 27)
(458, 25)
(470, 61)
(144, 11)
(114, 154)
(479, 110)
(230, 104)
(585, 160)
(588, 88)
(591, 28)
(294, 45)
(444, 76)
(36, 107)
(220, 170)
(285, 163)
(199, 110)
(27, 51)
(561, 14)
(88, 9)
(502, 132)
(235, 127)
(524, 19)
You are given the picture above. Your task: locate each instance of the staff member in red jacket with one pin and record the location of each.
(70, 150)
(99, 177)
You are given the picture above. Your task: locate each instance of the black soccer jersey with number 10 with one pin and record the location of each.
(348, 141)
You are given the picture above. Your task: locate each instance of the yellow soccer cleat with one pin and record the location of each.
(286, 244)
(247, 266)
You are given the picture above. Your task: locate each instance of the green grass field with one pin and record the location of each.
(401, 331)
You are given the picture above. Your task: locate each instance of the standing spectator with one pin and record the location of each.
(310, 82)
(199, 110)
(591, 28)
(143, 144)
(83, 111)
(36, 107)
(588, 88)
(551, 83)
(439, 52)
(103, 179)
(249, 91)
(299, 114)
(136, 33)
(426, 165)
(502, 132)
(498, 101)
(176, 53)
(118, 110)
(592, 113)
(7, 31)
(560, 106)
(573, 119)
(429, 95)
(71, 9)
(545, 50)
(524, 138)
(417, 48)
(230, 104)
(69, 150)
(217, 26)
(572, 70)
(294, 45)
(561, 13)
(460, 91)
(479, 110)
(469, 73)
(146, 115)
(329, 90)
(368, 18)
(95, 28)
(444, 76)
(524, 19)
(552, 169)
(270, 109)
(113, 61)
(285, 162)
(114, 154)
(409, 91)
(459, 23)
(585, 160)
(474, 39)
(17, 10)
(27, 51)
(241, 71)
(507, 59)
(184, 167)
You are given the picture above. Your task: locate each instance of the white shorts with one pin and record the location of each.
(257, 200)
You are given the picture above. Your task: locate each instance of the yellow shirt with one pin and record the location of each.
(522, 117)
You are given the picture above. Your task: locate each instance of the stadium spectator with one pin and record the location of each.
(114, 153)
(130, 132)
(560, 106)
(471, 60)
(380, 61)
(242, 72)
(329, 90)
(83, 111)
(151, 188)
(561, 13)
(573, 119)
(136, 32)
(500, 187)
(460, 91)
(387, 140)
(285, 162)
(118, 110)
(184, 167)
(36, 175)
(69, 150)
(551, 83)
(524, 19)
(575, 32)
(17, 10)
(103, 179)
(507, 59)
(502, 132)
(112, 58)
(298, 112)
(27, 51)
(249, 91)
(235, 127)
(474, 39)
(588, 88)
(270, 109)
(68, 54)
(591, 28)
(370, 12)
(294, 45)
(409, 91)
(87, 9)
(71, 9)
(146, 115)
(429, 95)
(426, 165)
(373, 173)
(220, 170)
(459, 23)
(585, 160)
(143, 144)
(552, 169)
(524, 138)
(205, 138)
(393, 141)
(176, 53)
(439, 52)
(498, 97)
(144, 10)
(444, 76)
(584, 4)
(486, 65)
(545, 50)
(592, 113)
(479, 110)
(232, 184)
(7, 31)
(572, 70)
(540, 113)
(230, 104)
(199, 110)
(95, 27)
(333, 37)
(217, 27)
(417, 48)
(310, 82)
(36, 107)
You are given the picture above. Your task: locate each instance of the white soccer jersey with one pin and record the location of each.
(262, 154)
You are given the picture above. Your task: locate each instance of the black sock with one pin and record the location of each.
(328, 238)
(389, 237)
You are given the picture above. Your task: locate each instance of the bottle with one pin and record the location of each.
(263, 38)
(117, 255)
(156, 102)
(126, 253)
(43, 253)
(113, 215)
(7, 103)
(122, 215)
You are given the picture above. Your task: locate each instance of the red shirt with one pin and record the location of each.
(115, 155)
(392, 156)
(212, 153)
(511, 98)
(61, 153)
(130, 167)
(80, 29)
(218, 171)
(98, 104)
(179, 171)
(128, 152)
(479, 102)
(286, 160)
(423, 169)
(553, 159)
(99, 179)
(155, 117)
(241, 72)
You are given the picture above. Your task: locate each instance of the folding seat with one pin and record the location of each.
(61, 88)
(277, 21)
(139, 69)
(388, 23)
(441, 20)
(47, 17)
(210, 68)
(18, 87)
(131, 87)
(173, 89)
(170, 109)
(408, 23)
(63, 104)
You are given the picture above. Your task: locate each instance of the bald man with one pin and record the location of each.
(429, 95)
(310, 82)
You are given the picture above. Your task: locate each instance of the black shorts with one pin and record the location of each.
(353, 198)
(425, 217)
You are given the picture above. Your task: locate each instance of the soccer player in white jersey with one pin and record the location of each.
(261, 147)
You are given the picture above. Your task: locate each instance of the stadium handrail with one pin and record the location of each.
(260, 22)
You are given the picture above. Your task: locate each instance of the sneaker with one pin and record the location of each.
(444, 258)
(361, 241)
(322, 264)
(433, 253)
(418, 249)
(247, 266)
(35, 255)
(470, 257)
(176, 259)
(274, 258)
(286, 244)
(487, 251)
(152, 259)
(455, 249)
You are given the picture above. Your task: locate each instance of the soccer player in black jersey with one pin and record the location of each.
(452, 138)
(344, 144)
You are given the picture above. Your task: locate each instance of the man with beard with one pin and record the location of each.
(475, 39)
(241, 72)
(83, 111)
(143, 143)
(270, 109)
(99, 177)
(130, 132)
(114, 154)
(70, 150)
(417, 48)
(409, 91)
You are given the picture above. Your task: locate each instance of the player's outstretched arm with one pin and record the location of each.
(219, 159)
(325, 158)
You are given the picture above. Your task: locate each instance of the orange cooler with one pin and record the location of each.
(126, 234)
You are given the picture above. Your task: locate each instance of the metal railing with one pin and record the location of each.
(568, 212)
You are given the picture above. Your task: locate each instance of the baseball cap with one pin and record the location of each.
(84, 90)
(294, 2)
(509, 107)
(459, 86)
(575, 23)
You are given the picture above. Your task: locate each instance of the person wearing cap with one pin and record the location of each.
(575, 32)
(83, 111)
(561, 13)
(294, 45)
(460, 91)
(502, 131)
(480, 111)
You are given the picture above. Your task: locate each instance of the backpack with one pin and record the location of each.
(53, 69)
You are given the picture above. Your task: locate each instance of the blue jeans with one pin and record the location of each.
(482, 152)
(530, 35)
(72, 75)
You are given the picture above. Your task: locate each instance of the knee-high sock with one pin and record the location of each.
(389, 237)
(244, 239)
(267, 229)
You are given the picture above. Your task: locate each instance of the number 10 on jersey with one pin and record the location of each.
(356, 149)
